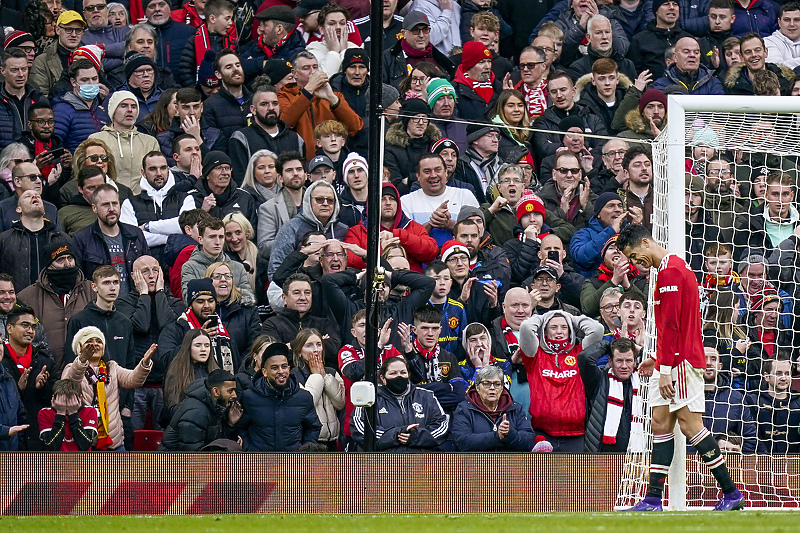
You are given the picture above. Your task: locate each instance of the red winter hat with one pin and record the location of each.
(473, 53)
(450, 248)
(529, 203)
(763, 297)
(16, 38)
(92, 52)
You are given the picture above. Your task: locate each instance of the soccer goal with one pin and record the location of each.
(759, 139)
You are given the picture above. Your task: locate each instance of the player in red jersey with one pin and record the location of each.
(676, 388)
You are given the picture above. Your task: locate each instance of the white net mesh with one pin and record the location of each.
(748, 279)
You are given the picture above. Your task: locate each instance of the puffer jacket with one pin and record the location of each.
(475, 427)
(198, 421)
(291, 233)
(395, 413)
(18, 259)
(328, 394)
(583, 66)
(172, 38)
(287, 323)
(586, 245)
(91, 250)
(53, 313)
(737, 81)
(158, 207)
(76, 121)
(112, 39)
(706, 82)
(118, 378)
(761, 17)
(12, 411)
(420, 247)
(587, 95)
(402, 153)
(242, 321)
(278, 420)
(129, 148)
(647, 48)
(224, 112)
(11, 123)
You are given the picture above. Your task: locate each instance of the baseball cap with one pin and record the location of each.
(415, 18)
(319, 161)
(69, 16)
(544, 269)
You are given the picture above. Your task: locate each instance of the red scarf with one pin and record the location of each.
(559, 347)
(192, 18)
(768, 339)
(428, 355)
(269, 52)
(202, 42)
(22, 361)
(194, 323)
(484, 89)
(414, 56)
(605, 273)
(713, 282)
(535, 99)
(622, 333)
(511, 338)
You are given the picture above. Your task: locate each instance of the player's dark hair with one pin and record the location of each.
(631, 236)
(428, 315)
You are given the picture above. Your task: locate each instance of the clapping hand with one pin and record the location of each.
(385, 334)
(503, 428)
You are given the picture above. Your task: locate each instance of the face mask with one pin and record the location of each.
(62, 280)
(89, 91)
(397, 385)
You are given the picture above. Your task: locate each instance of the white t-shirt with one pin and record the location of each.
(418, 206)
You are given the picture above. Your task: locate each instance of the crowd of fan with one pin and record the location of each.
(183, 222)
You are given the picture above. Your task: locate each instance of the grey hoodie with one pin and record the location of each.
(531, 332)
(291, 233)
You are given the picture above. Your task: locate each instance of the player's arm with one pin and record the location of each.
(670, 286)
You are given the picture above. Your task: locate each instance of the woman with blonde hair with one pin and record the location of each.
(193, 361)
(261, 177)
(235, 309)
(325, 384)
(239, 243)
(511, 114)
(96, 153)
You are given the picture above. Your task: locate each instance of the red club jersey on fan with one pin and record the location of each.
(558, 398)
(677, 315)
(87, 416)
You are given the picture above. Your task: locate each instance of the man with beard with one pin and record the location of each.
(687, 71)
(109, 241)
(279, 414)
(22, 246)
(227, 110)
(392, 25)
(172, 35)
(206, 415)
(277, 38)
(25, 177)
(722, 195)
(600, 37)
(189, 120)
(474, 82)
(275, 212)
(39, 139)
(353, 80)
(59, 293)
(267, 131)
(648, 120)
(775, 408)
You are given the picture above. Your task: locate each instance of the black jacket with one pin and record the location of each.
(470, 106)
(395, 413)
(224, 112)
(648, 47)
(285, 325)
(116, 327)
(595, 381)
(91, 251)
(149, 314)
(395, 68)
(13, 411)
(209, 135)
(545, 144)
(172, 39)
(253, 56)
(232, 199)
(737, 79)
(32, 398)
(12, 124)
(583, 66)
(9, 215)
(278, 420)
(247, 141)
(242, 323)
(146, 210)
(22, 251)
(356, 97)
(198, 421)
(402, 153)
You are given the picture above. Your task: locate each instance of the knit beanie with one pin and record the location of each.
(529, 203)
(389, 95)
(134, 60)
(437, 88)
(413, 107)
(16, 38)
(473, 53)
(276, 70)
(652, 95)
(609, 242)
(84, 334)
(467, 211)
(476, 131)
(205, 74)
(705, 136)
(603, 199)
(213, 159)
(354, 56)
(763, 297)
(199, 287)
(54, 250)
(452, 247)
(573, 121)
(353, 160)
(659, 3)
(92, 52)
(441, 144)
(116, 98)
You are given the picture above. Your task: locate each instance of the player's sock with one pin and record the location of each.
(709, 451)
(663, 447)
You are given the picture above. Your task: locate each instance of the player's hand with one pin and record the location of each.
(665, 386)
(646, 367)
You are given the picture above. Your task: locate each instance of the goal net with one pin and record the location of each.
(725, 181)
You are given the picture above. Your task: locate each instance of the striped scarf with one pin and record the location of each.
(510, 336)
(615, 406)
(98, 381)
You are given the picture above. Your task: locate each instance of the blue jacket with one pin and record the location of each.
(727, 416)
(475, 431)
(586, 245)
(707, 82)
(693, 16)
(761, 18)
(75, 120)
(172, 38)
(91, 251)
(112, 39)
(11, 123)
(278, 421)
(12, 411)
(253, 56)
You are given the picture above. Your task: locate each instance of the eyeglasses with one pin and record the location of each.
(719, 172)
(323, 201)
(223, 168)
(95, 7)
(71, 31)
(420, 31)
(31, 177)
(508, 181)
(458, 259)
(542, 281)
(29, 49)
(97, 158)
(144, 72)
(549, 50)
(610, 307)
(415, 79)
(43, 121)
(565, 170)
(419, 120)
(335, 254)
(492, 384)
(26, 326)
(218, 276)
(530, 66)
(615, 153)
(20, 161)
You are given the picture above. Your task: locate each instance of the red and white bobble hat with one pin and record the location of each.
(354, 160)
(16, 38)
(529, 203)
(450, 248)
(92, 52)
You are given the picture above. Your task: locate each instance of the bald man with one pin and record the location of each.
(26, 177)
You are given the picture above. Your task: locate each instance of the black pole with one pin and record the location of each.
(373, 209)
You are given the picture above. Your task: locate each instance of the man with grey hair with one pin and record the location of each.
(611, 175)
(533, 69)
(574, 22)
(99, 31)
(490, 420)
(600, 44)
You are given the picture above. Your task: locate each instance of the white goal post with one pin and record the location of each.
(733, 118)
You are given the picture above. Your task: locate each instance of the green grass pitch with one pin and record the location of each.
(690, 522)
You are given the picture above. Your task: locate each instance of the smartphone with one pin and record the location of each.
(214, 318)
(58, 152)
(552, 255)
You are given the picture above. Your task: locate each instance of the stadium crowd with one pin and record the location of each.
(183, 217)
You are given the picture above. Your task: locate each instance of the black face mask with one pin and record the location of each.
(62, 280)
(397, 385)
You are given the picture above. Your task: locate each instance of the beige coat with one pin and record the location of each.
(117, 377)
(328, 393)
(129, 148)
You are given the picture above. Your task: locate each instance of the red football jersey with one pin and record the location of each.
(677, 314)
(87, 416)
(558, 398)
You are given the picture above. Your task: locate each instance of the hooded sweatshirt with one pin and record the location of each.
(129, 148)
